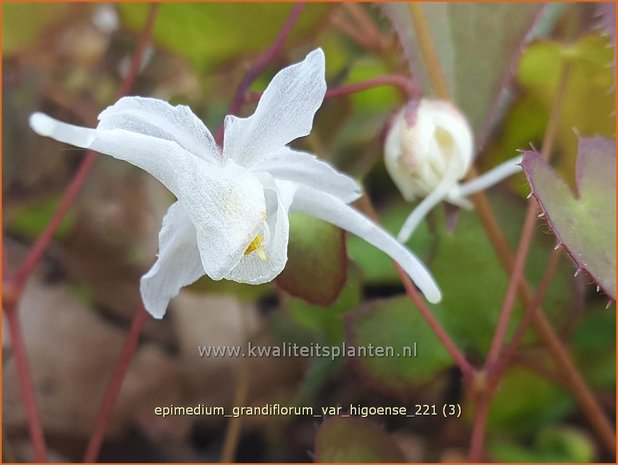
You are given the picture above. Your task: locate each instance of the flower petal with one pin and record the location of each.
(159, 119)
(284, 113)
(424, 207)
(329, 208)
(164, 159)
(491, 177)
(252, 268)
(227, 211)
(305, 168)
(178, 263)
(225, 204)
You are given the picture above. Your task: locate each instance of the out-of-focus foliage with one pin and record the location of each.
(476, 45)
(56, 59)
(517, 412)
(27, 20)
(317, 264)
(469, 313)
(354, 440)
(584, 223)
(553, 444)
(587, 108)
(394, 323)
(208, 35)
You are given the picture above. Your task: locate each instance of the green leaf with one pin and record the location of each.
(473, 281)
(328, 322)
(376, 266)
(32, 219)
(345, 440)
(465, 266)
(395, 324)
(516, 411)
(317, 262)
(585, 224)
(476, 45)
(22, 23)
(557, 444)
(215, 33)
(593, 345)
(587, 105)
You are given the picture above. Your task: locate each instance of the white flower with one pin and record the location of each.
(231, 217)
(428, 150)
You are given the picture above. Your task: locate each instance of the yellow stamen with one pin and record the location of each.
(256, 245)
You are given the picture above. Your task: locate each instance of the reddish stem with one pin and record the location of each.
(26, 387)
(467, 370)
(115, 383)
(253, 73)
(16, 283)
(517, 272)
(518, 337)
(511, 292)
(479, 425)
(402, 82)
(44, 240)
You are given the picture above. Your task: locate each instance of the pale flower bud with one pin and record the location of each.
(430, 142)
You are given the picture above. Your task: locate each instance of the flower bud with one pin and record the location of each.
(428, 141)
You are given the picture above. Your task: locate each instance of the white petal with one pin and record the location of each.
(255, 270)
(424, 207)
(159, 119)
(305, 168)
(284, 113)
(493, 176)
(178, 263)
(164, 159)
(225, 204)
(331, 209)
(227, 211)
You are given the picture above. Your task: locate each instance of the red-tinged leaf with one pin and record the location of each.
(584, 223)
(477, 45)
(317, 265)
(345, 440)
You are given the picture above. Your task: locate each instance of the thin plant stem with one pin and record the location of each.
(113, 387)
(44, 240)
(479, 426)
(364, 21)
(458, 357)
(26, 387)
(73, 189)
(401, 82)
(467, 370)
(252, 74)
(362, 29)
(528, 228)
(232, 432)
(518, 337)
(428, 51)
(16, 282)
(577, 385)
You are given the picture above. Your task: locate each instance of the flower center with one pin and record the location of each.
(257, 245)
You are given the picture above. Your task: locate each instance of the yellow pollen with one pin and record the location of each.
(256, 246)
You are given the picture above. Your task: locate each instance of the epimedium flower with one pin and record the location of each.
(428, 149)
(230, 220)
